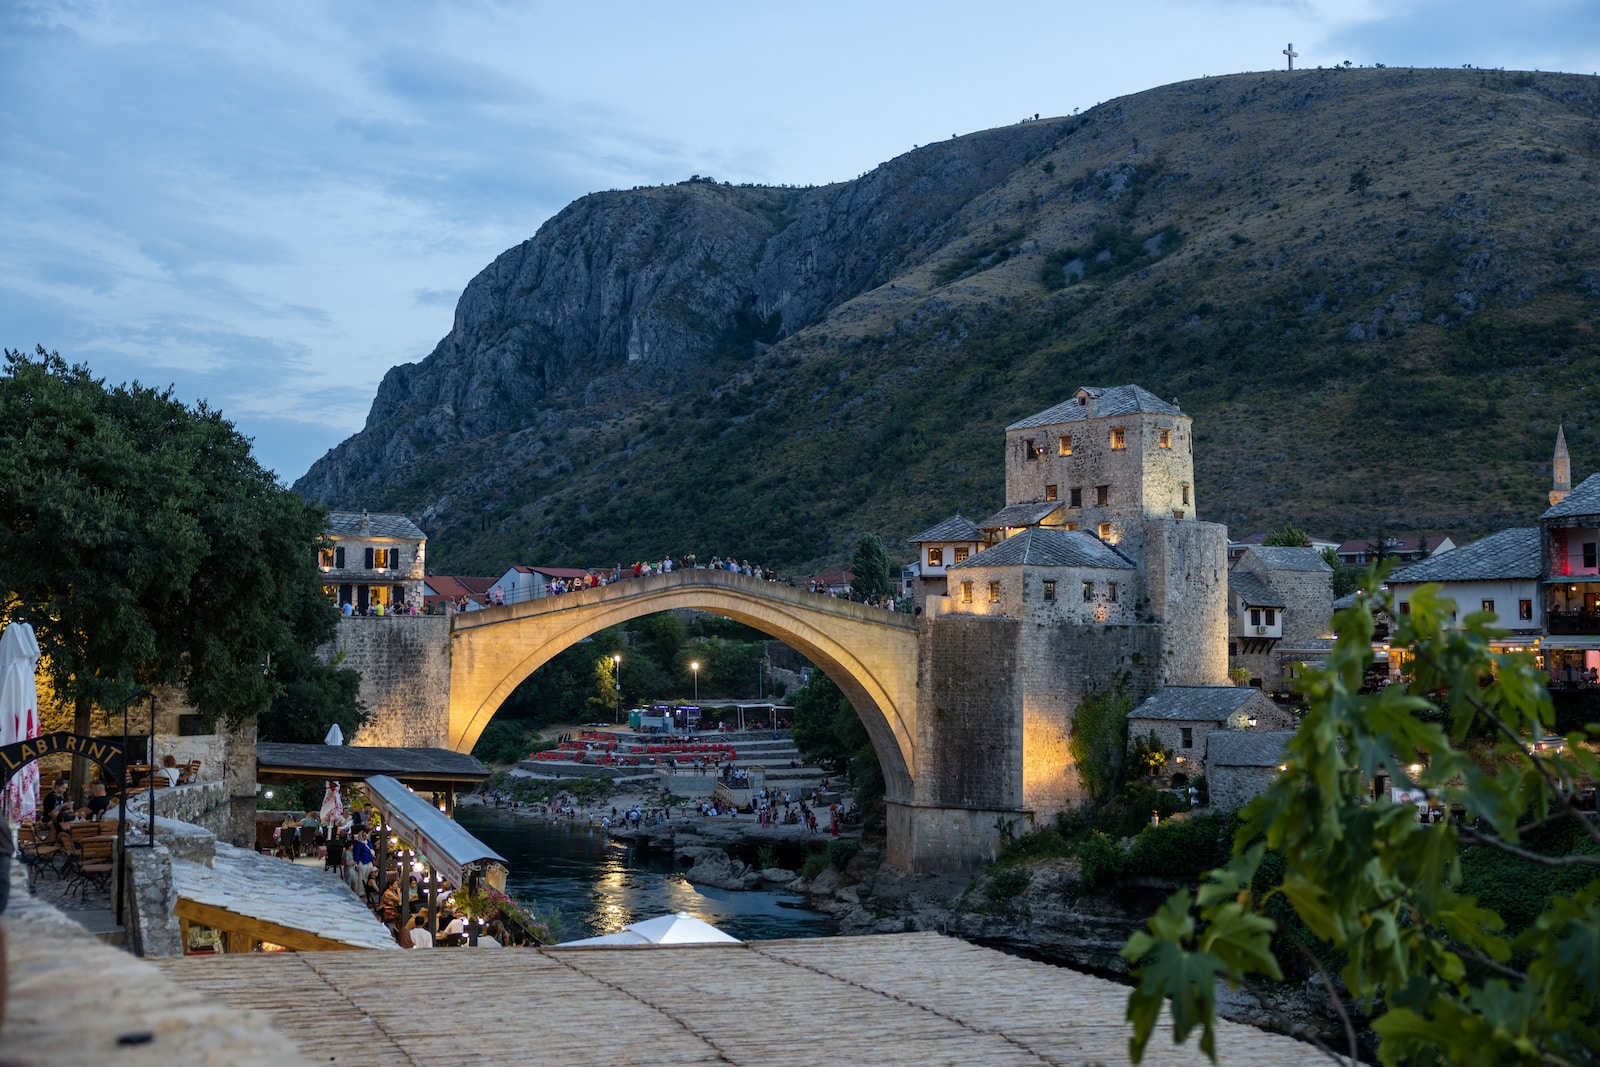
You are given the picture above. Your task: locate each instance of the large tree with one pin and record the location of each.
(1372, 898)
(870, 569)
(148, 547)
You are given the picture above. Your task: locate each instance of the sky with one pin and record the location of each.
(266, 205)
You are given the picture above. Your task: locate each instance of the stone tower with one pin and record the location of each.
(1561, 479)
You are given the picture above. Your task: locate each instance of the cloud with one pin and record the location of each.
(436, 297)
(1543, 34)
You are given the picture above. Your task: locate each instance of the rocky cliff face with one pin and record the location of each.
(1352, 280)
(638, 291)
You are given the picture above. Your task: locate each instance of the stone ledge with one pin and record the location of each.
(70, 998)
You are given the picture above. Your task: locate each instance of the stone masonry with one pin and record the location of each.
(404, 662)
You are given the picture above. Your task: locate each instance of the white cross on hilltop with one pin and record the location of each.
(1291, 53)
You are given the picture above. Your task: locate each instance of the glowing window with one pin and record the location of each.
(1105, 531)
(961, 553)
(1049, 492)
(1066, 444)
(1119, 437)
(994, 591)
(1165, 439)
(966, 592)
(936, 557)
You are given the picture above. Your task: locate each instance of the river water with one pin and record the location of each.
(600, 886)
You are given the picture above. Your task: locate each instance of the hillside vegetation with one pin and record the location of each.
(1375, 291)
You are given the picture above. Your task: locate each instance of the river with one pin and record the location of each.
(599, 886)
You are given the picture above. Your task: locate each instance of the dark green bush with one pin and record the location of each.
(1006, 884)
(814, 865)
(842, 851)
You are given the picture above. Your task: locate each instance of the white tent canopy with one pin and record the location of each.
(676, 929)
(440, 840)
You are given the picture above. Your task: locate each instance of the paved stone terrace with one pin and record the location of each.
(897, 999)
(70, 999)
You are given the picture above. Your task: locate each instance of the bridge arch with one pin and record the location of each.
(869, 653)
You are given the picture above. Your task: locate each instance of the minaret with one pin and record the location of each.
(1561, 482)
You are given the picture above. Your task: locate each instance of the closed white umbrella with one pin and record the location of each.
(19, 712)
(335, 736)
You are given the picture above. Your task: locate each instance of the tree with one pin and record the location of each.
(604, 696)
(147, 547)
(870, 569)
(828, 732)
(1363, 883)
(1291, 536)
(1346, 580)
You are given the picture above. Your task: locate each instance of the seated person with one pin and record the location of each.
(493, 937)
(98, 801)
(169, 769)
(418, 936)
(311, 822)
(55, 798)
(389, 903)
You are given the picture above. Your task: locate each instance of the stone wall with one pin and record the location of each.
(1186, 574)
(969, 720)
(404, 662)
(1234, 787)
(204, 804)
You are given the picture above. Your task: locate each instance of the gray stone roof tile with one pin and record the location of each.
(955, 528)
(1203, 703)
(1255, 592)
(1015, 515)
(1247, 748)
(367, 760)
(1510, 553)
(1049, 548)
(1285, 558)
(1583, 500)
(360, 524)
(1102, 402)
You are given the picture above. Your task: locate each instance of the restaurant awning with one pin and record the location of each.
(421, 768)
(441, 841)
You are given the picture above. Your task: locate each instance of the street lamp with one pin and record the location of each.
(616, 664)
(694, 668)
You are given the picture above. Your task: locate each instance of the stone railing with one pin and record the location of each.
(204, 804)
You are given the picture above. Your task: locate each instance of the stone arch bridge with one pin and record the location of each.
(939, 697)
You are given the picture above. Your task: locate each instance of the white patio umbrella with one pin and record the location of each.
(680, 928)
(19, 712)
(335, 736)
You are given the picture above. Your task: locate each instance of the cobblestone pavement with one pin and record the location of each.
(52, 889)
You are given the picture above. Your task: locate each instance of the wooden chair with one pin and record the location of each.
(36, 851)
(93, 866)
(191, 773)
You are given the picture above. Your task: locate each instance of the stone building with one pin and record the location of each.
(1187, 719)
(1281, 603)
(373, 560)
(1241, 764)
(1095, 576)
(938, 548)
(1498, 574)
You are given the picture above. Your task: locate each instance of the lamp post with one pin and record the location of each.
(616, 666)
(694, 668)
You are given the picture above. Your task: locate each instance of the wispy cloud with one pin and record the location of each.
(270, 205)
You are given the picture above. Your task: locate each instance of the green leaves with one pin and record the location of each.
(1378, 888)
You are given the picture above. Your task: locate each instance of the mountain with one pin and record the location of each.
(1375, 291)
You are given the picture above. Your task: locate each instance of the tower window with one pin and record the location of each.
(1066, 444)
(1119, 437)
(1072, 526)
(1088, 591)
(1033, 453)
(966, 592)
(1111, 592)
(994, 592)
(1049, 589)
(1102, 495)
(1255, 616)
(1105, 531)
(1272, 616)
(961, 553)
(1164, 439)
(1185, 494)
(1049, 492)
(1075, 497)
(936, 557)
(1188, 736)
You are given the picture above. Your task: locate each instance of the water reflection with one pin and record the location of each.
(600, 886)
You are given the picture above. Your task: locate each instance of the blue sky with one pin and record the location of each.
(267, 205)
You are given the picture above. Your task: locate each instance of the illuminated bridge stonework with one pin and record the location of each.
(949, 774)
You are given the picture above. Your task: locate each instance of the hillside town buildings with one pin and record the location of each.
(373, 561)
